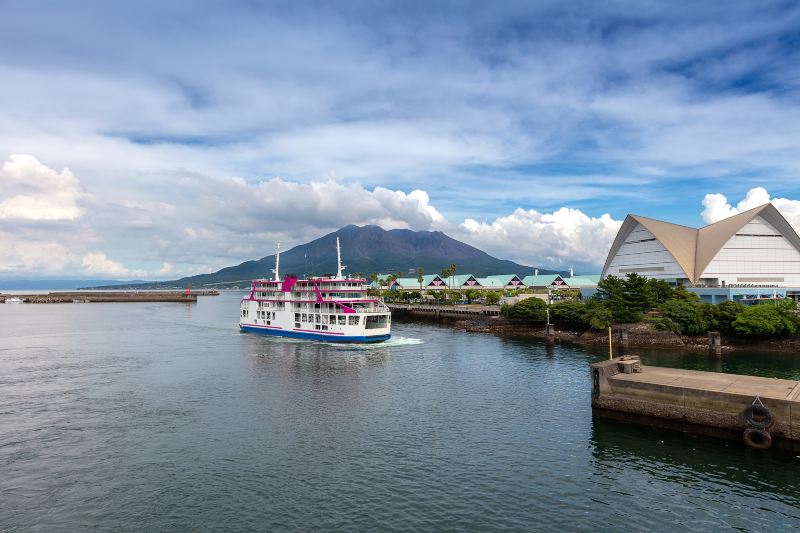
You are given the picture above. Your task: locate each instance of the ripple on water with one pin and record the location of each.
(179, 421)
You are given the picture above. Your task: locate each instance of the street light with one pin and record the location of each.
(548, 306)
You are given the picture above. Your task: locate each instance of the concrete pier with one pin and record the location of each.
(707, 403)
(107, 296)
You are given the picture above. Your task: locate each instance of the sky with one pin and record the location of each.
(155, 140)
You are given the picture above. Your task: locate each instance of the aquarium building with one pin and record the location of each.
(750, 256)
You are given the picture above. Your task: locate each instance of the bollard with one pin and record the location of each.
(622, 340)
(714, 344)
(550, 334)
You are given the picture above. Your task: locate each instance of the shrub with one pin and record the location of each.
(686, 317)
(492, 298)
(527, 309)
(764, 320)
(569, 310)
(725, 313)
(597, 315)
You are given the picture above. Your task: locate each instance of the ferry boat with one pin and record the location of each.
(332, 309)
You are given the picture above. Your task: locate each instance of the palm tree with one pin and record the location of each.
(420, 278)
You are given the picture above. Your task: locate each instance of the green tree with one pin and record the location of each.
(569, 310)
(726, 313)
(639, 293)
(687, 317)
(420, 277)
(528, 309)
(597, 315)
(472, 294)
(660, 290)
(492, 297)
(764, 319)
(616, 298)
(680, 293)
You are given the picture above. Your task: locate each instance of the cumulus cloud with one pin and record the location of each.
(22, 256)
(30, 190)
(98, 264)
(716, 206)
(564, 237)
(210, 223)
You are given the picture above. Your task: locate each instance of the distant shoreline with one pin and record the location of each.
(640, 335)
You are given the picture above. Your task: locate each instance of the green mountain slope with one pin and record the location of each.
(365, 249)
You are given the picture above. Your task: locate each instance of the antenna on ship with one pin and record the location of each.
(339, 266)
(277, 261)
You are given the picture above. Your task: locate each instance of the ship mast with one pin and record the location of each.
(277, 261)
(339, 266)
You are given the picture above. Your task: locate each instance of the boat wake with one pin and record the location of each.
(394, 342)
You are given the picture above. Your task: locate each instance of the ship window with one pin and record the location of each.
(342, 320)
(297, 317)
(332, 319)
(353, 320)
(324, 328)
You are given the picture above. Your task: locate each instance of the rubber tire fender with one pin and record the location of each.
(758, 416)
(758, 438)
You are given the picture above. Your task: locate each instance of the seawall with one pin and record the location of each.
(708, 403)
(109, 296)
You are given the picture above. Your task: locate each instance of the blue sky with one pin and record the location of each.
(156, 139)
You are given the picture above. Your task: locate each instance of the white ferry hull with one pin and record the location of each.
(313, 335)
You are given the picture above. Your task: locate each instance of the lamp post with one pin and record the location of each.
(548, 306)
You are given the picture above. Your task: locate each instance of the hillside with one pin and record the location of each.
(365, 249)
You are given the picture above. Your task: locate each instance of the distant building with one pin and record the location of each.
(430, 281)
(501, 282)
(463, 281)
(751, 255)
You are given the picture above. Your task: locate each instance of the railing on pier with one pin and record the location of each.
(446, 310)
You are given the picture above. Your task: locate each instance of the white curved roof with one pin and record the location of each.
(693, 249)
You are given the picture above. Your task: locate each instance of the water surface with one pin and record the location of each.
(164, 416)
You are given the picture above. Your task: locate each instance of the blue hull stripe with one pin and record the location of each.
(315, 336)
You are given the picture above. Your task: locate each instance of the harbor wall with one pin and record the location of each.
(698, 402)
(110, 296)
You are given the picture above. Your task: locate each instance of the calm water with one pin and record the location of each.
(164, 416)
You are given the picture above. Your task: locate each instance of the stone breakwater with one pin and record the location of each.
(110, 296)
(640, 335)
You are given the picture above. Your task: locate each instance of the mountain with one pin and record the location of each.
(365, 249)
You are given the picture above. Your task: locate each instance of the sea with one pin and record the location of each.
(164, 417)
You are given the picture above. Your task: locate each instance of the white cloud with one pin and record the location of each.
(716, 206)
(98, 264)
(30, 190)
(211, 222)
(23, 256)
(557, 239)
